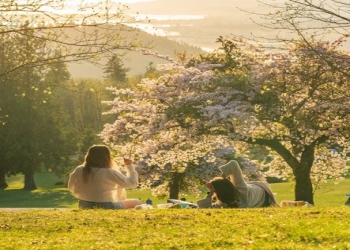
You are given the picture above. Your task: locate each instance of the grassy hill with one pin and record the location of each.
(294, 228)
(324, 226)
(49, 194)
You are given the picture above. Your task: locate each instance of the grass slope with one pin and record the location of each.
(269, 228)
(325, 226)
(50, 195)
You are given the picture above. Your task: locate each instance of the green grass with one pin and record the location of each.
(269, 228)
(47, 195)
(50, 195)
(331, 195)
(325, 226)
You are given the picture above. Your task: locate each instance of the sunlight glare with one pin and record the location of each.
(114, 1)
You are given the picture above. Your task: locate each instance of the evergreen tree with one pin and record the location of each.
(115, 70)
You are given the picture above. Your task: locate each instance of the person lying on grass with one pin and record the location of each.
(98, 185)
(236, 192)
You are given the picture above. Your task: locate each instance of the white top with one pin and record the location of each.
(251, 194)
(103, 184)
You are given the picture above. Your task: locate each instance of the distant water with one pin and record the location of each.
(140, 17)
(158, 29)
(133, 1)
(154, 29)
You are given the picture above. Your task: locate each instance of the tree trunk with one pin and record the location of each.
(3, 183)
(303, 184)
(175, 185)
(29, 182)
(301, 169)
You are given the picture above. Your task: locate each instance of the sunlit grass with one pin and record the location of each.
(268, 228)
(330, 194)
(49, 194)
(324, 226)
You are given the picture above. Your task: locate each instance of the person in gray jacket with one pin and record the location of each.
(236, 192)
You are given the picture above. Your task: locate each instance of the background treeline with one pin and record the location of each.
(49, 119)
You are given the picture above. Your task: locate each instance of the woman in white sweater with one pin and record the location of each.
(236, 192)
(98, 185)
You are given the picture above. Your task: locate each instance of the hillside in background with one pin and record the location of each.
(135, 60)
(199, 7)
(221, 18)
(192, 26)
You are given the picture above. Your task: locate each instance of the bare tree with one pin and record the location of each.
(83, 31)
(330, 14)
(307, 21)
(308, 18)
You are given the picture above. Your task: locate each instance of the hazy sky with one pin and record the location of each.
(117, 1)
(234, 9)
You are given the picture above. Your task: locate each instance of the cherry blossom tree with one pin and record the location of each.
(329, 166)
(326, 20)
(294, 104)
(156, 126)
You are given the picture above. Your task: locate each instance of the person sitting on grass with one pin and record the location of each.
(98, 185)
(236, 192)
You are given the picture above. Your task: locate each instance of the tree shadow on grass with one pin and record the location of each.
(40, 198)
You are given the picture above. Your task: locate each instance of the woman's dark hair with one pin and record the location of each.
(98, 156)
(225, 191)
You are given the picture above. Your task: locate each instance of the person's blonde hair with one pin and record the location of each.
(98, 156)
(225, 191)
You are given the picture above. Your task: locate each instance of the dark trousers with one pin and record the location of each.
(267, 202)
(102, 205)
